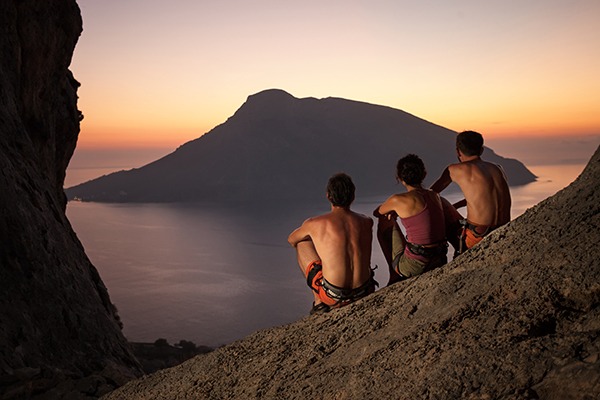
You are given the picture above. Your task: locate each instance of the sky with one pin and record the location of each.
(158, 73)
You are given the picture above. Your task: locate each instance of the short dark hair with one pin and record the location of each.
(340, 190)
(470, 143)
(411, 169)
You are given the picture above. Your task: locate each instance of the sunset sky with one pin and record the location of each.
(158, 73)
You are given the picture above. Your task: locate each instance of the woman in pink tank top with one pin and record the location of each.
(421, 212)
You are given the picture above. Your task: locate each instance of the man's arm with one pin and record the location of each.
(443, 181)
(450, 174)
(461, 203)
(300, 234)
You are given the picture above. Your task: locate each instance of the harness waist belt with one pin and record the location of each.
(429, 251)
(479, 231)
(341, 294)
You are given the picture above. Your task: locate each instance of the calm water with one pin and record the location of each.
(214, 274)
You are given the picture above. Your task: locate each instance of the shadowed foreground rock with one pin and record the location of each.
(59, 332)
(515, 318)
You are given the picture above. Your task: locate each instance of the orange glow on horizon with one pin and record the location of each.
(132, 138)
(172, 73)
(163, 137)
(172, 130)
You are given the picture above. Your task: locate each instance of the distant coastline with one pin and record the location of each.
(90, 163)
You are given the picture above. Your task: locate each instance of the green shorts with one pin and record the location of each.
(407, 266)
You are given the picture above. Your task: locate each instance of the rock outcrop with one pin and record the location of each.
(278, 147)
(517, 317)
(59, 332)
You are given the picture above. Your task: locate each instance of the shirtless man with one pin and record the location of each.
(485, 188)
(334, 250)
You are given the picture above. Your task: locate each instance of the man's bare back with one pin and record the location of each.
(334, 250)
(485, 189)
(483, 184)
(342, 239)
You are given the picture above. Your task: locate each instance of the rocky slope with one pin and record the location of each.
(59, 332)
(517, 317)
(276, 146)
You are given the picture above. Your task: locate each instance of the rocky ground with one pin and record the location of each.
(517, 317)
(160, 354)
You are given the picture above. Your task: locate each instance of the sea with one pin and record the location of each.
(213, 274)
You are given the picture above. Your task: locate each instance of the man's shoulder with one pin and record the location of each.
(315, 223)
(318, 218)
(463, 169)
(459, 165)
(363, 217)
(493, 165)
(493, 168)
(457, 168)
(322, 218)
(332, 218)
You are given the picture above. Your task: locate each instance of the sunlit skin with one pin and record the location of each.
(162, 73)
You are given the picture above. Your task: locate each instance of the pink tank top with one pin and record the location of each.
(428, 226)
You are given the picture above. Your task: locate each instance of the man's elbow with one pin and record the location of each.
(291, 241)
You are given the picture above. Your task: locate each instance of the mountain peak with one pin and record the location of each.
(286, 148)
(266, 102)
(270, 95)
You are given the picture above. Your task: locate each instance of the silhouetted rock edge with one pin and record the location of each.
(59, 331)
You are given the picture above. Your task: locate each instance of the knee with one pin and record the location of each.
(306, 253)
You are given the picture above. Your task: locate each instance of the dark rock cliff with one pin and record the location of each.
(517, 317)
(57, 323)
